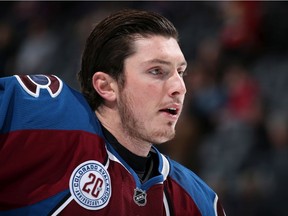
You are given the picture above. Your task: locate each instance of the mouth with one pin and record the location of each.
(171, 111)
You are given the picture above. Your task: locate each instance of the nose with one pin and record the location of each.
(177, 85)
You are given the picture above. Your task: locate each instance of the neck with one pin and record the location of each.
(111, 121)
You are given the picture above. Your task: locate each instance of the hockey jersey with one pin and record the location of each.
(55, 160)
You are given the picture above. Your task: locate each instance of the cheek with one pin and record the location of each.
(144, 94)
(144, 88)
(148, 95)
(140, 103)
(153, 89)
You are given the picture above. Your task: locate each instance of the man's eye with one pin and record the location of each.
(182, 73)
(156, 71)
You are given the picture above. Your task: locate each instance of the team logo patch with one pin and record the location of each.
(140, 197)
(33, 83)
(90, 185)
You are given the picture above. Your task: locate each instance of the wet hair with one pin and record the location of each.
(112, 41)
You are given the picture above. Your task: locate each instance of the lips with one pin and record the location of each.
(171, 109)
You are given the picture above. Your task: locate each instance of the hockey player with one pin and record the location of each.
(94, 153)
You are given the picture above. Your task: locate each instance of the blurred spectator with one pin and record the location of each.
(37, 52)
(271, 73)
(243, 92)
(225, 154)
(207, 97)
(277, 127)
(241, 30)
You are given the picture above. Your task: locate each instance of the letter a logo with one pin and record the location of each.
(33, 83)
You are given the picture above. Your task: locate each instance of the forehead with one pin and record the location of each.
(147, 49)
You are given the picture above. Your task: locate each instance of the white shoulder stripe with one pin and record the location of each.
(113, 158)
(215, 205)
(166, 205)
(62, 206)
(165, 168)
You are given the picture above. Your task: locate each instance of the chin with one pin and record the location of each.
(163, 137)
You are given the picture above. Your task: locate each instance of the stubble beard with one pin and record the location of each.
(135, 127)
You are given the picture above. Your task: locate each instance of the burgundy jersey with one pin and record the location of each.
(55, 161)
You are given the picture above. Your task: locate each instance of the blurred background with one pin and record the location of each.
(233, 131)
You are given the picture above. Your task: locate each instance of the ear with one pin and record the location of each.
(105, 85)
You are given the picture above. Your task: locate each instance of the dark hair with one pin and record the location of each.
(111, 42)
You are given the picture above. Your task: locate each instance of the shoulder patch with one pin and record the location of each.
(90, 185)
(33, 83)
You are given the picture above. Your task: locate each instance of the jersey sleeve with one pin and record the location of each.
(41, 102)
(46, 129)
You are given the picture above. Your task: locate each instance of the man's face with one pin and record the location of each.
(151, 100)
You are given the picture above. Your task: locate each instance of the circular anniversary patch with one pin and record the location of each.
(90, 185)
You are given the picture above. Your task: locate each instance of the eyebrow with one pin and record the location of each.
(160, 61)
